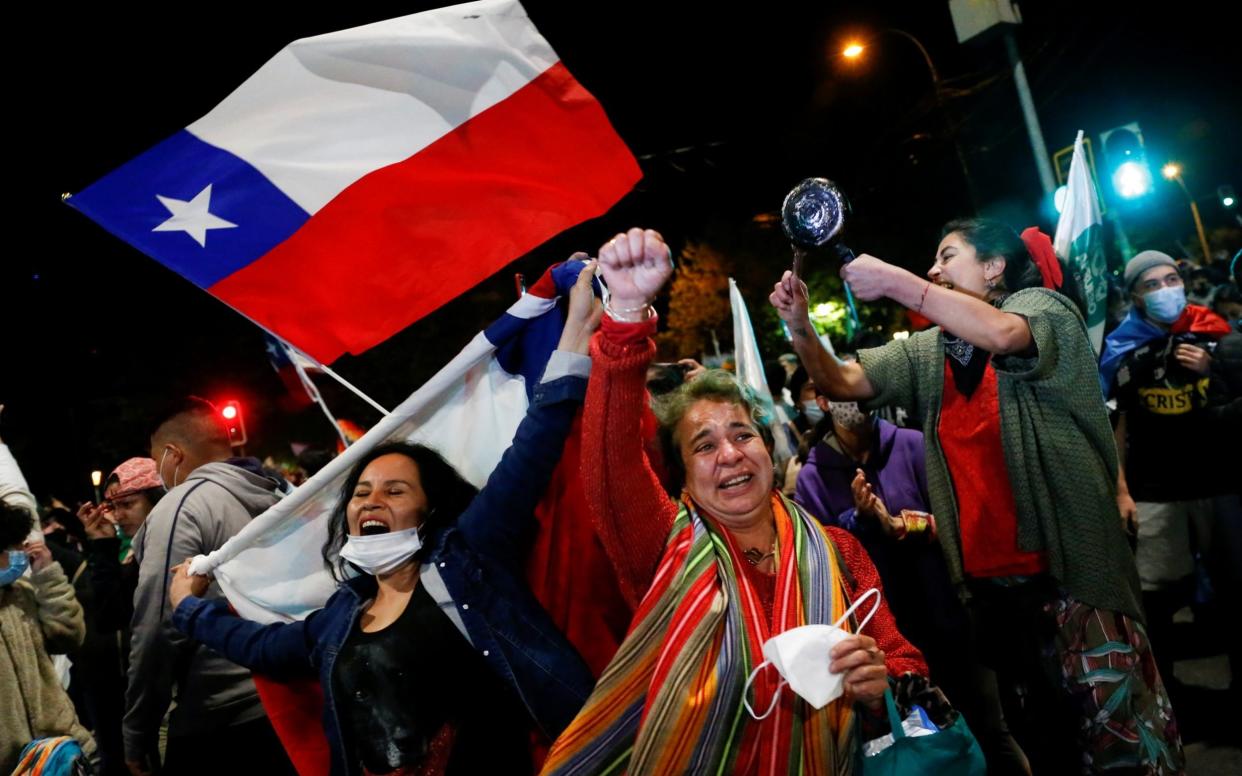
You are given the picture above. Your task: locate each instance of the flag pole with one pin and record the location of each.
(297, 353)
(378, 407)
(312, 390)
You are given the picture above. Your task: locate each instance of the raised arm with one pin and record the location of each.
(632, 512)
(500, 520)
(838, 380)
(971, 319)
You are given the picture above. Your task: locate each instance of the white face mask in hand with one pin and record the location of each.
(383, 553)
(801, 655)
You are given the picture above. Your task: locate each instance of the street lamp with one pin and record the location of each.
(854, 50)
(1173, 171)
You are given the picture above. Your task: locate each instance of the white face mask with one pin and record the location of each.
(383, 553)
(801, 655)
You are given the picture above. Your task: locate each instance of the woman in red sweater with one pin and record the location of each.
(713, 575)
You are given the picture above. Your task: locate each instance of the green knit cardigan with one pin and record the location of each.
(1059, 449)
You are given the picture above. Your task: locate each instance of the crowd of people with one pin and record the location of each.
(981, 530)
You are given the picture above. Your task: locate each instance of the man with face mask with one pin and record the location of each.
(1157, 365)
(211, 496)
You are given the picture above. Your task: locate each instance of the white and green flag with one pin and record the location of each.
(750, 369)
(745, 346)
(1079, 243)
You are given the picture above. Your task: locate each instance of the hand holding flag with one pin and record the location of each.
(583, 314)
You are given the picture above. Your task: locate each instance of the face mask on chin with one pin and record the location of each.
(383, 553)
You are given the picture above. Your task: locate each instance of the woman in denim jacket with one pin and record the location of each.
(437, 658)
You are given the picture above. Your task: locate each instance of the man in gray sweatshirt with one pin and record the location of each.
(218, 724)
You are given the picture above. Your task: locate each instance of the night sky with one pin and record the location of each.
(726, 111)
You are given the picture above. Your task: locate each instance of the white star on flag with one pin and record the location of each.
(192, 217)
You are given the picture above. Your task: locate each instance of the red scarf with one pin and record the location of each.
(1200, 320)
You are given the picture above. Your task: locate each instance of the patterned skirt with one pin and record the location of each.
(1079, 685)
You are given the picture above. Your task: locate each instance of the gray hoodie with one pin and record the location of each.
(199, 515)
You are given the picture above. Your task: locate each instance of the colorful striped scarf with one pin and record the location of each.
(56, 756)
(670, 702)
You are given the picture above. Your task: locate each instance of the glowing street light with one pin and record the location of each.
(1171, 171)
(852, 51)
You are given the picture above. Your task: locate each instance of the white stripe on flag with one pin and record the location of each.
(1079, 243)
(272, 570)
(530, 306)
(750, 370)
(401, 84)
(745, 347)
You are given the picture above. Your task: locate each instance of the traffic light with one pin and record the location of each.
(1128, 170)
(231, 412)
(1227, 198)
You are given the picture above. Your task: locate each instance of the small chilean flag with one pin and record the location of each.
(363, 178)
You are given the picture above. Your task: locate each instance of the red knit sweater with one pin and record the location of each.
(634, 513)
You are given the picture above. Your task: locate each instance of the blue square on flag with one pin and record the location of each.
(195, 208)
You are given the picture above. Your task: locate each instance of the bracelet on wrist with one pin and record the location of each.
(629, 314)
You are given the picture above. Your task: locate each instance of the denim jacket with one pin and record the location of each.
(473, 569)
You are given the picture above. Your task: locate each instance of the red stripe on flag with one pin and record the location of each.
(409, 237)
(295, 709)
(568, 570)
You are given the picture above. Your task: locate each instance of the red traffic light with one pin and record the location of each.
(231, 412)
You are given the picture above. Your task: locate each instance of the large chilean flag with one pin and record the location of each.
(360, 179)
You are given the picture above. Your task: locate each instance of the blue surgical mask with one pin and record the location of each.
(812, 411)
(1165, 304)
(18, 561)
